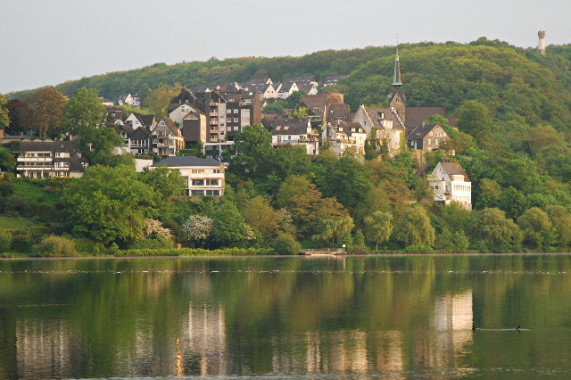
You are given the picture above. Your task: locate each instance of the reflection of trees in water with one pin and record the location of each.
(196, 316)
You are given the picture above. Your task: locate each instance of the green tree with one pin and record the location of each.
(84, 111)
(7, 161)
(4, 117)
(263, 219)
(378, 227)
(536, 228)
(97, 145)
(254, 145)
(493, 232)
(229, 226)
(109, 205)
(164, 181)
(47, 106)
(157, 100)
(560, 218)
(475, 118)
(414, 227)
(285, 244)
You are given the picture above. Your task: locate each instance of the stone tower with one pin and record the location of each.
(397, 98)
(541, 42)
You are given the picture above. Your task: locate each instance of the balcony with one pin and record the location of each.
(213, 114)
(35, 159)
(214, 121)
(212, 103)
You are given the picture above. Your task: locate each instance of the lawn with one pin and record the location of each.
(18, 223)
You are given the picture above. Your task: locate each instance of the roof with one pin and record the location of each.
(348, 127)
(181, 161)
(294, 126)
(421, 131)
(415, 116)
(337, 111)
(376, 115)
(51, 146)
(453, 168)
(171, 126)
(146, 120)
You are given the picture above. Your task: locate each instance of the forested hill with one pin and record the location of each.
(506, 78)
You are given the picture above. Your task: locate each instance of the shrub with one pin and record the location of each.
(22, 241)
(89, 247)
(149, 243)
(55, 246)
(5, 241)
(418, 248)
(285, 244)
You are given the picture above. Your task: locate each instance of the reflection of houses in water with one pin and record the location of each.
(43, 349)
(452, 323)
(202, 347)
(342, 352)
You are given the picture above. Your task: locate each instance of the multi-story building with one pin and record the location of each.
(450, 183)
(203, 176)
(343, 135)
(46, 159)
(166, 138)
(243, 108)
(287, 131)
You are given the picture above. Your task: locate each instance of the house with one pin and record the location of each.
(309, 89)
(202, 176)
(293, 132)
(266, 90)
(333, 80)
(426, 137)
(137, 141)
(47, 159)
(286, 89)
(166, 138)
(324, 107)
(383, 126)
(129, 99)
(194, 128)
(138, 120)
(342, 135)
(450, 183)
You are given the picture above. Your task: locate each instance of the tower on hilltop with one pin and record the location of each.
(397, 99)
(541, 42)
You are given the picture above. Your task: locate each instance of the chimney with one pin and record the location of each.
(541, 43)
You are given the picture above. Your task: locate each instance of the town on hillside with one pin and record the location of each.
(205, 121)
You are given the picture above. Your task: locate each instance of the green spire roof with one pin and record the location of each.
(397, 81)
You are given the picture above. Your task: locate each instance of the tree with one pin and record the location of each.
(263, 219)
(4, 116)
(255, 152)
(20, 117)
(334, 228)
(97, 145)
(84, 111)
(164, 181)
(7, 161)
(560, 218)
(494, 232)
(378, 227)
(414, 227)
(157, 100)
(109, 205)
(229, 228)
(285, 244)
(198, 227)
(536, 228)
(47, 111)
(475, 118)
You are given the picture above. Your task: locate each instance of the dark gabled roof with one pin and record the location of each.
(139, 134)
(294, 126)
(337, 111)
(421, 131)
(181, 161)
(453, 168)
(286, 86)
(51, 146)
(378, 114)
(415, 116)
(146, 120)
(77, 164)
(301, 79)
(305, 87)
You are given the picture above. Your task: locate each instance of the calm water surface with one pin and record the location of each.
(403, 317)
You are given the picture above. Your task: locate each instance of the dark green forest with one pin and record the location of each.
(512, 107)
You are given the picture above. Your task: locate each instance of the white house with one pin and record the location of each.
(203, 176)
(341, 135)
(383, 125)
(46, 159)
(450, 183)
(287, 131)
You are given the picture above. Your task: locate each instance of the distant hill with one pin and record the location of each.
(508, 79)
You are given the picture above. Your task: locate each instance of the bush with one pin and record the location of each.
(5, 241)
(285, 244)
(55, 246)
(193, 252)
(22, 241)
(418, 248)
(89, 247)
(158, 243)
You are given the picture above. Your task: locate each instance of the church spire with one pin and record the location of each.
(397, 81)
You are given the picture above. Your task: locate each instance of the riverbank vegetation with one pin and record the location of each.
(512, 107)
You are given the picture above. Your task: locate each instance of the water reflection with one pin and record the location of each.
(398, 317)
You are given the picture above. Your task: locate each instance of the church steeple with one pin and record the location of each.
(397, 81)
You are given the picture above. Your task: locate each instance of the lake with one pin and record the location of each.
(387, 317)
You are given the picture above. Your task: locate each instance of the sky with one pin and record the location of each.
(47, 42)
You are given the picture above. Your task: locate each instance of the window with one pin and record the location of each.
(213, 192)
(236, 111)
(197, 182)
(212, 182)
(197, 193)
(197, 171)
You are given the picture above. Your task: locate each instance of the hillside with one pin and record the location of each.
(507, 79)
